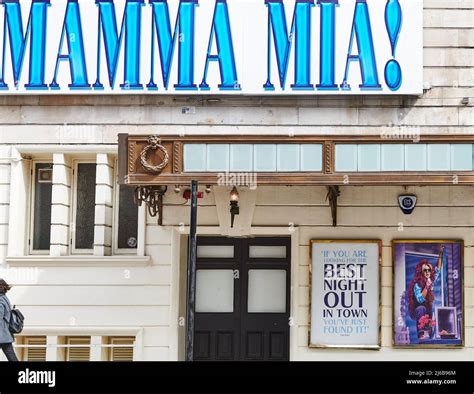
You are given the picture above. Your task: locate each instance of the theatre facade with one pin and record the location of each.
(323, 149)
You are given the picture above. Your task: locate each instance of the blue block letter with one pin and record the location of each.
(327, 57)
(184, 30)
(76, 57)
(18, 42)
(366, 57)
(131, 26)
(301, 29)
(225, 49)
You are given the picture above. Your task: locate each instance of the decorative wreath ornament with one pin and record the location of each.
(154, 143)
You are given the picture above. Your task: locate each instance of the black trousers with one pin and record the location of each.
(9, 352)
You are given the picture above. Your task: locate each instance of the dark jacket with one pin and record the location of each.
(5, 313)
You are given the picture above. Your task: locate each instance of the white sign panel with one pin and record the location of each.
(345, 294)
(252, 47)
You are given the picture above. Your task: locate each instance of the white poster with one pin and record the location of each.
(251, 47)
(345, 293)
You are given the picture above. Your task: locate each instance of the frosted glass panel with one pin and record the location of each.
(215, 251)
(241, 157)
(194, 157)
(369, 158)
(346, 157)
(267, 291)
(253, 157)
(260, 251)
(265, 157)
(311, 157)
(215, 291)
(415, 157)
(288, 157)
(439, 157)
(393, 157)
(461, 157)
(217, 157)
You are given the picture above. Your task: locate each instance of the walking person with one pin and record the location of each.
(6, 337)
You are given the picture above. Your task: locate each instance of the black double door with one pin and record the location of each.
(242, 299)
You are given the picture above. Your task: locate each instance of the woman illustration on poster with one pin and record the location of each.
(421, 294)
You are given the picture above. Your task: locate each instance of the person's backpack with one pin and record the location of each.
(16, 321)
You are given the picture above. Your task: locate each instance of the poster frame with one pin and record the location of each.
(463, 306)
(376, 346)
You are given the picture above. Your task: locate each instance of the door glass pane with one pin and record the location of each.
(85, 205)
(274, 252)
(215, 251)
(267, 291)
(42, 206)
(127, 219)
(215, 291)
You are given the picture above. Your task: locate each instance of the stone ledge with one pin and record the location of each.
(78, 261)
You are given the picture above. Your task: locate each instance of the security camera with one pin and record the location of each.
(407, 203)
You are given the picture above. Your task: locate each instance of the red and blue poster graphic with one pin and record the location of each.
(428, 296)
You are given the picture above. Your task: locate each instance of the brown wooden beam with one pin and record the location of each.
(298, 139)
(132, 169)
(317, 179)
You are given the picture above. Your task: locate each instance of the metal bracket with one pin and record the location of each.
(152, 196)
(333, 194)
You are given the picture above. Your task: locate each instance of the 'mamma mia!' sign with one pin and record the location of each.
(254, 47)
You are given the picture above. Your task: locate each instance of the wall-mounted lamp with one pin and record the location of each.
(208, 189)
(234, 205)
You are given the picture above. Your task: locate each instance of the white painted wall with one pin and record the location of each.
(111, 296)
(364, 212)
